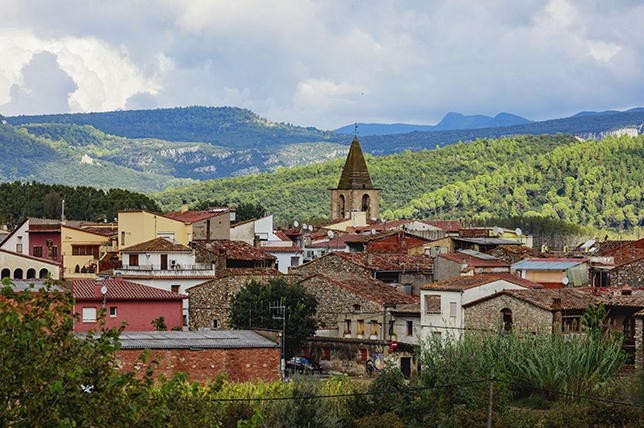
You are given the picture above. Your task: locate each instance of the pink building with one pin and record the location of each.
(136, 304)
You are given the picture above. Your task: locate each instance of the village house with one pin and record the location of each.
(389, 241)
(124, 301)
(86, 250)
(442, 302)
(515, 253)
(36, 237)
(628, 264)
(467, 263)
(206, 225)
(17, 266)
(554, 272)
(243, 356)
(529, 311)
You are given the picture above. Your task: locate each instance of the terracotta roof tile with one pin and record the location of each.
(158, 244)
(235, 250)
(473, 261)
(466, 282)
(381, 261)
(446, 225)
(193, 216)
(370, 288)
(89, 289)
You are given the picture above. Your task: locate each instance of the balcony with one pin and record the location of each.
(177, 270)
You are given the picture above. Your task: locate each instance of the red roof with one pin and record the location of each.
(446, 225)
(466, 282)
(156, 245)
(236, 250)
(473, 261)
(90, 289)
(338, 241)
(370, 288)
(569, 298)
(382, 261)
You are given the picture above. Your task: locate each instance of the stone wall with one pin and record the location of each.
(334, 300)
(239, 364)
(211, 300)
(526, 317)
(631, 274)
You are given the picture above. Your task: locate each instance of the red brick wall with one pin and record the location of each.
(239, 364)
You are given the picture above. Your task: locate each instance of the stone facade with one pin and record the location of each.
(239, 364)
(631, 274)
(210, 301)
(526, 317)
(328, 263)
(334, 300)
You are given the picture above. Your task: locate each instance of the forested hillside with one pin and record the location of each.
(590, 183)
(22, 200)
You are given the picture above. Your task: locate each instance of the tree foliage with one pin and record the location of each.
(254, 307)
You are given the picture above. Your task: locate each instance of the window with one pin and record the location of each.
(37, 251)
(571, 324)
(347, 326)
(363, 354)
(326, 354)
(356, 308)
(432, 304)
(175, 288)
(452, 309)
(89, 314)
(374, 327)
(214, 323)
(85, 250)
(185, 320)
(52, 252)
(295, 260)
(410, 328)
(112, 311)
(18, 248)
(507, 319)
(360, 326)
(123, 238)
(134, 259)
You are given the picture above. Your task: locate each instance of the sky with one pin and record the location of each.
(324, 63)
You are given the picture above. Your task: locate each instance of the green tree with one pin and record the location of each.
(251, 308)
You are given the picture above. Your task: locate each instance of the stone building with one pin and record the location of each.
(628, 260)
(529, 311)
(515, 253)
(355, 192)
(467, 263)
(210, 301)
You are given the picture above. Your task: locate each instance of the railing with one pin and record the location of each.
(177, 269)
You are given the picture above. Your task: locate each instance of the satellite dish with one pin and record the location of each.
(330, 234)
(373, 231)
(296, 224)
(495, 231)
(565, 281)
(373, 219)
(103, 290)
(310, 228)
(518, 231)
(303, 225)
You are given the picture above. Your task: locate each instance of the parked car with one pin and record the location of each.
(302, 365)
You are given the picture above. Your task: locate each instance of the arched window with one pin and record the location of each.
(31, 273)
(17, 274)
(6, 273)
(366, 204)
(507, 319)
(342, 206)
(43, 274)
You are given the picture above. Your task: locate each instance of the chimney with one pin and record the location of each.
(184, 206)
(368, 259)
(463, 264)
(556, 302)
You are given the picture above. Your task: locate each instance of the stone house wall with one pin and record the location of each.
(239, 364)
(211, 300)
(334, 300)
(631, 274)
(526, 317)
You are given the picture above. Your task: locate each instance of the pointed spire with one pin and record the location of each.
(355, 174)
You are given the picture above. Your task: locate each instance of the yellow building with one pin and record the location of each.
(82, 249)
(137, 226)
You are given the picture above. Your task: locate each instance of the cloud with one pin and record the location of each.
(329, 63)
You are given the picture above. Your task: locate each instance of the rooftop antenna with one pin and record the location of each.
(355, 130)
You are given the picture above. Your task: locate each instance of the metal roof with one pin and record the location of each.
(220, 339)
(478, 255)
(485, 241)
(546, 264)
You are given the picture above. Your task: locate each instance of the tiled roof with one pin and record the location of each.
(523, 250)
(547, 264)
(473, 261)
(277, 249)
(157, 245)
(355, 174)
(193, 216)
(571, 298)
(384, 261)
(370, 237)
(626, 253)
(235, 250)
(224, 339)
(89, 289)
(466, 282)
(97, 230)
(19, 285)
(222, 273)
(338, 241)
(370, 288)
(412, 308)
(446, 225)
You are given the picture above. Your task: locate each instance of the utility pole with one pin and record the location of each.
(281, 315)
(491, 402)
